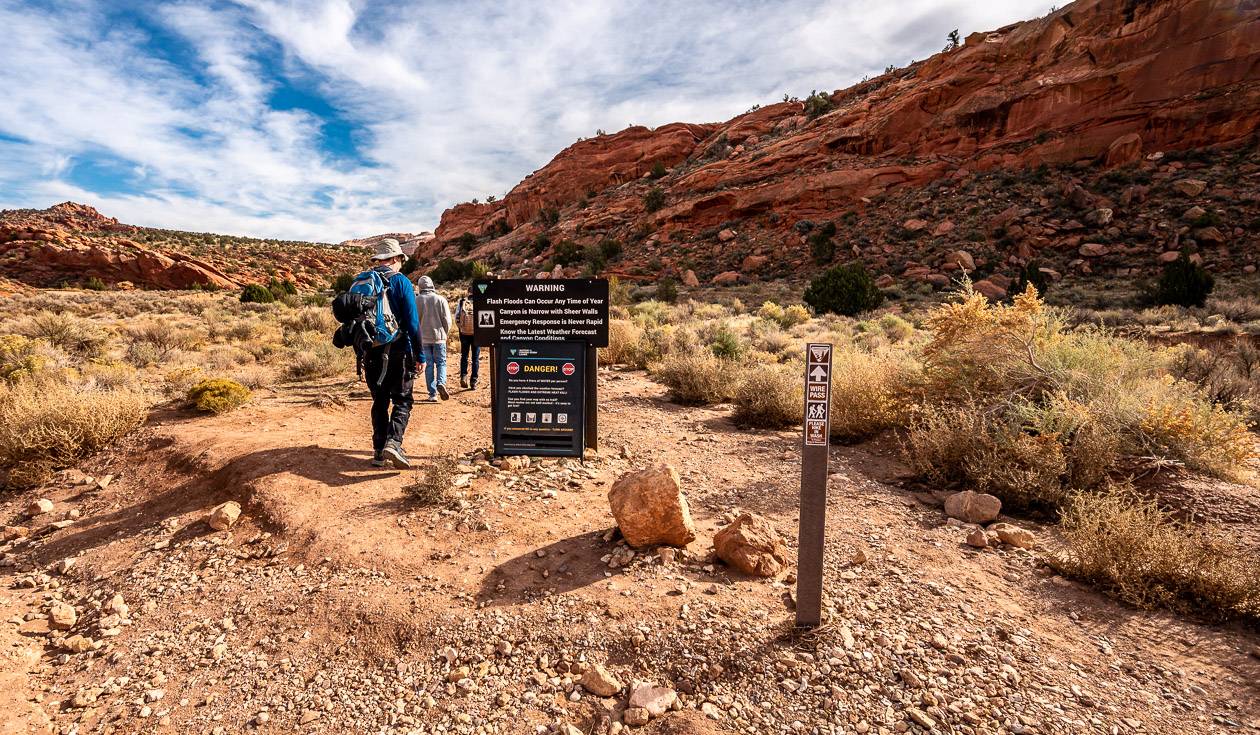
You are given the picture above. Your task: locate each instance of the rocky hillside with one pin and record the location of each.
(410, 242)
(1103, 137)
(71, 244)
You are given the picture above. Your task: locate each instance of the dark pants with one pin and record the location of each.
(388, 425)
(466, 349)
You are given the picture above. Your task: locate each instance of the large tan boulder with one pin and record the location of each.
(650, 508)
(751, 545)
(973, 507)
(690, 280)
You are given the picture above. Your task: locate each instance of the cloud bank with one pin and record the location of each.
(330, 119)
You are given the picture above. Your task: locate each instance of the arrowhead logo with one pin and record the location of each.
(818, 374)
(513, 352)
(482, 287)
(819, 352)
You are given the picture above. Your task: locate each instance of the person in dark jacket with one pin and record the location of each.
(398, 360)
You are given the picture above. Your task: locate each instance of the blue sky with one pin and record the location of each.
(331, 119)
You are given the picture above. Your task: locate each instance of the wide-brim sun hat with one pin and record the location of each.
(386, 249)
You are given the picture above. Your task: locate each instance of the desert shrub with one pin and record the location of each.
(566, 253)
(868, 393)
(1184, 283)
(254, 376)
(623, 342)
(769, 397)
(103, 375)
(434, 488)
(1146, 557)
(963, 444)
(466, 242)
(281, 288)
(1180, 423)
(75, 335)
(320, 360)
(342, 282)
(895, 328)
(821, 246)
(654, 199)
(256, 293)
(658, 170)
(666, 290)
(448, 270)
(817, 103)
(310, 319)
(1031, 275)
(844, 289)
(696, 378)
(152, 341)
(771, 312)
(218, 395)
(725, 344)
(794, 315)
(46, 425)
(95, 284)
(22, 357)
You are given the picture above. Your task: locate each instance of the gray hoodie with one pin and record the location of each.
(435, 313)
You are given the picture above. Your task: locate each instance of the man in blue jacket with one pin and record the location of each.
(398, 360)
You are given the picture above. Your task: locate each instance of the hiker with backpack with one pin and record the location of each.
(464, 320)
(435, 324)
(380, 321)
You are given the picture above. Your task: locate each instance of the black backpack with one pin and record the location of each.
(358, 313)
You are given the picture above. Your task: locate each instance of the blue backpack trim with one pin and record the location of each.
(383, 327)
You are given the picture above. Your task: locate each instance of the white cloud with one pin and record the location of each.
(450, 100)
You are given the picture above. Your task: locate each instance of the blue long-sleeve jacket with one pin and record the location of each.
(402, 301)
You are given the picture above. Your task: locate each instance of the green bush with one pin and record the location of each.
(654, 199)
(409, 266)
(610, 248)
(845, 289)
(667, 290)
(770, 397)
(726, 345)
(450, 269)
(659, 170)
(256, 293)
(95, 284)
(342, 282)
(218, 395)
(821, 246)
(280, 289)
(1184, 283)
(817, 103)
(466, 242)
(1031, 275)
(566, 253)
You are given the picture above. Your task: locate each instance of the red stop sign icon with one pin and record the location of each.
(568, 368)
(513, 368)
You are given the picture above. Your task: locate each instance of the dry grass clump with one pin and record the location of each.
(310, 319)
(769, 396)
(23, 357)
(697, 377)
(45, 425)
(218, 395)
(1129, 545)
(81, 337)
(870, 392)
(319, 361)
(154, 341)
(623, 342)
(434, 488)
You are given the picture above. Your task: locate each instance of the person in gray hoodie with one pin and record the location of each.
(435, 323)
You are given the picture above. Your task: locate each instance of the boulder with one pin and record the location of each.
(689, 279)
(650, 508)
(944, 228)
(989, 290)
(1169, 256)
(963, 260)
(977, 538)
(914, 225)
(753, 263)
(1125, 149)
(1193, 213)
(599, 681)
(726, 235)
(224, 516)
(656, 700)
(751, 545)
(635, 716)
(973, 507)
(726, 278)
(1092, 250)
(1190, 187)
(1100, 217)
(1014, 535)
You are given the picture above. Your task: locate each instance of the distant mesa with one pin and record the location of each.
(410, 242)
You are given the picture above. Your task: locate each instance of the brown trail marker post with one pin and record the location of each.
(814, 448)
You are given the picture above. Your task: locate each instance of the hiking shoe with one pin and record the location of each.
(394, 455)
(472, 385)
(442, 391)
(463, 382)
(431, 399)
(378, 460)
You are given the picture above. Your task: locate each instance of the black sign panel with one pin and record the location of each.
(542, 310)
(540, 398)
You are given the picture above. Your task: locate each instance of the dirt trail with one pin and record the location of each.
(338, 605)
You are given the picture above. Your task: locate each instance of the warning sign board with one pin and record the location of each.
(541, 309)
(817, 394)
(813, 516)
(540, 399)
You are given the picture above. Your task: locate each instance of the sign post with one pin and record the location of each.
(813, 524)
(555, 323)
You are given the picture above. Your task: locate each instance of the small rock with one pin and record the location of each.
(600, 682)
(635, 716)
(224, 516)
(751, 545)
(1015, 536)
(978, 538)
(726, 235)
(62, 616)
(655, 700)
(39, 507)
(1190, 187)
